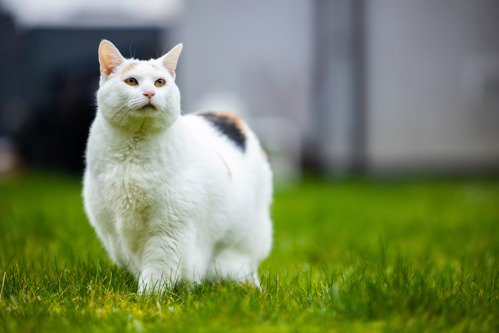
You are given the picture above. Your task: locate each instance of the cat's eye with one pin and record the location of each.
(131, 81)
(160, 82)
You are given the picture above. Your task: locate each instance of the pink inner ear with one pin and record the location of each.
(109, 57)
(171, 58)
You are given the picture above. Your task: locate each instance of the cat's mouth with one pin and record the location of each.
(148, 107)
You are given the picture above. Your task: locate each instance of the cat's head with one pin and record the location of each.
(138, 94)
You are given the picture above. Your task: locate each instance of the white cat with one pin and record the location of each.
(172, 197)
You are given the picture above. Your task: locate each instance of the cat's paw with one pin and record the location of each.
(155, 283)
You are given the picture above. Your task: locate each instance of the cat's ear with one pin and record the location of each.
(109, 57)
(170, 59)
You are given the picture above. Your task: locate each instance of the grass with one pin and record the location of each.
(348, 256)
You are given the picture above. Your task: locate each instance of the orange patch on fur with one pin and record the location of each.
(264, 153)
(233, 119)
(128, 68)
(227, 124)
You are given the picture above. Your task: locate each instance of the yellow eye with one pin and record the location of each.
(160, 82)
(131, 81)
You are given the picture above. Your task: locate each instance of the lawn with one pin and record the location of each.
(351, 255)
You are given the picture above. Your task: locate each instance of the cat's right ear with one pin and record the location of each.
(170, 59)
(109, 58)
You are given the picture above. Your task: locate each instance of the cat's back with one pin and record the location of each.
(226, 125)
(244, 168)
(228, 134)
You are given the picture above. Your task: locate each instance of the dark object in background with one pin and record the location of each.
(55, 133)
(58, 73)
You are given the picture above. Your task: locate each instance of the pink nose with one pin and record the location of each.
(149, 93)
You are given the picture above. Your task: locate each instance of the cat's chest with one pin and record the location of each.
(133, 190)
(132, 187)
(136, 183)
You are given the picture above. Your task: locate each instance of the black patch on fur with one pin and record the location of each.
(227, 126)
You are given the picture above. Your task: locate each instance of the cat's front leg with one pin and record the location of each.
(160, 269)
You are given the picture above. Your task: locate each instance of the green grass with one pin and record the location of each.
(348, 256)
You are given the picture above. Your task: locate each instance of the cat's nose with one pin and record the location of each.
(149, 93)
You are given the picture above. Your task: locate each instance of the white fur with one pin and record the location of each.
(170, 197)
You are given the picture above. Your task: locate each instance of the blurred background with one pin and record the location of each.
(339, 87)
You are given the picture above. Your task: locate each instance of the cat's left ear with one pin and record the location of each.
(109, 57)
(170, 59)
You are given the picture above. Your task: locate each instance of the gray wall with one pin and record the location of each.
(433, 85)
(429, 71)
(259, 50)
